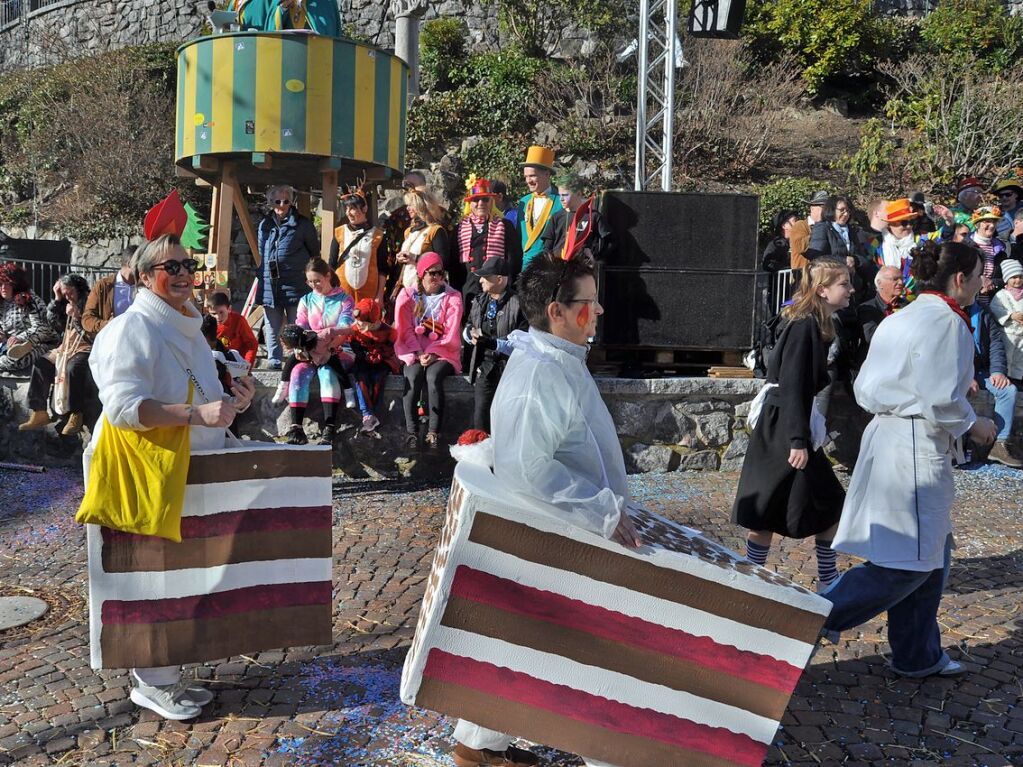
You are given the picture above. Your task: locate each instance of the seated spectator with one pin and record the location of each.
(1007, 308)
(482, 235)
(776, 254)
(232, 329)
(67, 366)
(372, 343)
(990, 371)
(327, 312)
(428, 320)
(985, 220)
(25, 333)
(889, 298)
(493, 314)
(572, 191)
(111, 296)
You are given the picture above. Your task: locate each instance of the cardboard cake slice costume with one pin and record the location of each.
(679, 653)
(252, 571)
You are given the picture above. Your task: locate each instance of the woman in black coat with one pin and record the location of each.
(838, 236)
(787, 485)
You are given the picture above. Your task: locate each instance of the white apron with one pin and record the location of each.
(413, 244)
(898, 508)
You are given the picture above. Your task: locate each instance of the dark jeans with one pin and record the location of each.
(911, 599)
(80, 386)
(433, 376)
(483, 396)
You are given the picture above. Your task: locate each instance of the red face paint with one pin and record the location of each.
(583, 318)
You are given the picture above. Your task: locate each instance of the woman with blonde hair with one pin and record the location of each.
(787, 484)
(425, 235)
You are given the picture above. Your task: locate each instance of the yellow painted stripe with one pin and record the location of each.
(191, 68)
(365, 87)
(397, 72)
(223, 95)
(319, 69)
(268, 94)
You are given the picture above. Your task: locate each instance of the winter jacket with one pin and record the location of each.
(989, 343)
(414, 338)
(284, 251)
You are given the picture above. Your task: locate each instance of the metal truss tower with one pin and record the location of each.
(658, 51)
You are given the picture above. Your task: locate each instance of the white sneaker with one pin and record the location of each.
(169, 701)
(200, 696)
(954, 668)
(350, 402)
(369, 423)
(280, 393)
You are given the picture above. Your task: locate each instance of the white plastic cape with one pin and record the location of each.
(554, 438)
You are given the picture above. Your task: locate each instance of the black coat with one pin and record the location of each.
(825, 241)
(464, 267)
(772, 495)
(869, 315)
(509, 317)
(991, 357)
(776, 255)
(556, 232)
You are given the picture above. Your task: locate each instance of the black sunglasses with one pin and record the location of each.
(282, 202)
(173, 268)
(434, 272)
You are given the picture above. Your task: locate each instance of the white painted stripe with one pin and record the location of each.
(203, 500)
(94, 543)
(256, 447)
(633, 603)
(672, 560)
(209, 580)
(604, 684)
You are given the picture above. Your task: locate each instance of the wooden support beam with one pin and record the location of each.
(202, 162)
(246, 220)
(329, 212)
(305, 204)
(228, 183)
(211, 235)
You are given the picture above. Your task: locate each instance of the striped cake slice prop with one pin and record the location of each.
(680, 653)
(252, 571)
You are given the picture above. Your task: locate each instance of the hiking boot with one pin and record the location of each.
(19, 350)
(296, 435)
(327, 435)
(280, 393)
(38, 420)
(74, 425)
(168, 701)
(1000, 453)
(484, 757)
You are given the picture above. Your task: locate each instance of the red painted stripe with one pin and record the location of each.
(592, 709)
(217, 605)
(245, 521)
(553, 608)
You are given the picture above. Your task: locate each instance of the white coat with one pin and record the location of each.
(144, 354)
(1002, 306)
(915, 380)
(554, 438)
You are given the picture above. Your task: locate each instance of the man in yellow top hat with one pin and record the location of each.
(542, 202)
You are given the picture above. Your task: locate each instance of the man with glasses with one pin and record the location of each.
(554, 438)
(287, 241)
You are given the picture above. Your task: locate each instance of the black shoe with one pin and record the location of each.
(296, 435)
(327, 435)
(411, 441)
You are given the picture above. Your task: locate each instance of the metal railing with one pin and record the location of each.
(10, 11)
(43, 274)
(781, 289)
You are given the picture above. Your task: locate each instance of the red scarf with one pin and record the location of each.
(953, 305)
(495, 238)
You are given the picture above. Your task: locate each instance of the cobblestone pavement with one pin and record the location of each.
(338, 705)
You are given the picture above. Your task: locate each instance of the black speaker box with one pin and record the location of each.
(682, 273)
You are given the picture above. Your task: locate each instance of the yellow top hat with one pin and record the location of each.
(540, 157)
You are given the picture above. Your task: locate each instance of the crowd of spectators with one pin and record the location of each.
(878, 247)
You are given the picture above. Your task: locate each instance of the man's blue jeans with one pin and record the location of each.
(1005, 406)
(911, 599)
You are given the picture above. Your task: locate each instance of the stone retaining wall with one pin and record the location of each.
(664, 425)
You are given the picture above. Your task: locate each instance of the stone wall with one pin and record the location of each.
(664, 425)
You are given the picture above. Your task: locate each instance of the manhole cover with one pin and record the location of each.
(17, 611)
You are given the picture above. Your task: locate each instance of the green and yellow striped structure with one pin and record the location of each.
(290, 96)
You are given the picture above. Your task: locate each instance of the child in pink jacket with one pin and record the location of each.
(428, 318)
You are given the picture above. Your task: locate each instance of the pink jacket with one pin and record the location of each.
(411, 344)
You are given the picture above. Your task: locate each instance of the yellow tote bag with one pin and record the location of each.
(137, 480)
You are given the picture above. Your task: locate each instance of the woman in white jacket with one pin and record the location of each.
(897, 513)
(143, 363)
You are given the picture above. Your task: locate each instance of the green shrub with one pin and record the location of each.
(836, 39)
(965, 30)
(441, 49)
(497, 156)
(877, 165)
(536, 27)
(788, 192)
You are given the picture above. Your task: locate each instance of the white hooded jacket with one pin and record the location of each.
(554, 438)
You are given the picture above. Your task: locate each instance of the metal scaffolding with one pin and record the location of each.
(659, 50)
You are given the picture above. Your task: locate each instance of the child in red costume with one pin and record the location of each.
(372, 341)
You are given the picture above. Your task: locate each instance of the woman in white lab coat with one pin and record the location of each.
(897, 512)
